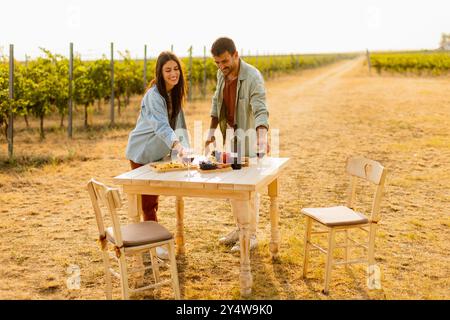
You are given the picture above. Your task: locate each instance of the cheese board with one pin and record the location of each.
(162, 167)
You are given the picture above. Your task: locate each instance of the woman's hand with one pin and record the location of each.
(178, 148)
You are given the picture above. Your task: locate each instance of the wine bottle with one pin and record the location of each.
(236, 156)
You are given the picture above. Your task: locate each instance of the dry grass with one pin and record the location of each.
(324, 115)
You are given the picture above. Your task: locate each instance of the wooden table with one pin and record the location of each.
(239, 185)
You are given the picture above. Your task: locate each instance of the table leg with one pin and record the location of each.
(274, 218)
(243, 217)
(180, 225)
(134, 206)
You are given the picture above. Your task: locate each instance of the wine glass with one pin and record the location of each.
(188, 158)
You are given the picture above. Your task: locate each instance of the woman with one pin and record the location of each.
(161, 116)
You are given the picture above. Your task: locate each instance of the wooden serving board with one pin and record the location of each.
(245, 162)
(154, 167)
(225, 166)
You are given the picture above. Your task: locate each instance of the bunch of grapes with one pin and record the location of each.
(207, 165)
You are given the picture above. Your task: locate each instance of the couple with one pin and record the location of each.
(239, 102)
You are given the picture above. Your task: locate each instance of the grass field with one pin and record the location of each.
(324, 115)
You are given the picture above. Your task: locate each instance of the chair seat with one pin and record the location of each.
(142, 233)
(335, 216)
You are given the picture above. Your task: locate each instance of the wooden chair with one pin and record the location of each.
(344, 218)
(127, 240)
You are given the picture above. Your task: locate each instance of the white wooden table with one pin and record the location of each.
(239, 185)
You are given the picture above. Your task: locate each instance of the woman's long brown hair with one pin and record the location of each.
(178, 92)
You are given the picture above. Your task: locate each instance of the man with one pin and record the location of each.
(239, 107)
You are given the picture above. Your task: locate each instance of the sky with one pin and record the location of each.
(256, 26)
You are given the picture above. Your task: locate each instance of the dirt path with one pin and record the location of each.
(324, 115)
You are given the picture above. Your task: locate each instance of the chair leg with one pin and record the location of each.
(155, 264)
(306, 246)
(124, 276)
(174, 271)
(107, 276)
(139, 263)
(371, 248)
(329, 263)
(346, 249)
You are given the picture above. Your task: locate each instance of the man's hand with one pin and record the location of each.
(210, 140)
(262, 142)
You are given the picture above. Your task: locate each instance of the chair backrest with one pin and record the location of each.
(369, 170)
(110, 198)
